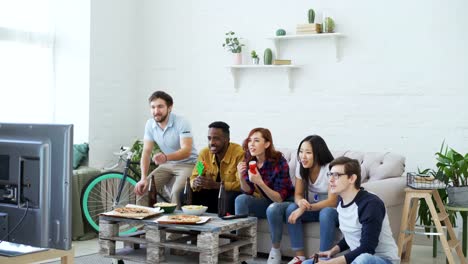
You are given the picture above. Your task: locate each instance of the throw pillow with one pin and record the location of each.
(80, 153)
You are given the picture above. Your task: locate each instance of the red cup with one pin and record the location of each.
(252, 166)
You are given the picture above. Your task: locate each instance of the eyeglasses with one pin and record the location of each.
(335, 175)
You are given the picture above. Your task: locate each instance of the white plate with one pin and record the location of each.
(165, 218)
(153, 212)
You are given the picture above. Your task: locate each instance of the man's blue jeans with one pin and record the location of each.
(361, 259)
(248, 204)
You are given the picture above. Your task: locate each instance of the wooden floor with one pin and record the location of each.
(420, 254)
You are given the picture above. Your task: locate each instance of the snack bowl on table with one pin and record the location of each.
(194, 209)
(167, 207)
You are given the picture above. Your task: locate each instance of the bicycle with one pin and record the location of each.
(110, 190)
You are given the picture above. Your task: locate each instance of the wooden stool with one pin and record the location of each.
(66, 256)
(463, 212)
(408, 221)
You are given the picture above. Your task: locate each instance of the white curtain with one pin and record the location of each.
(26, 61)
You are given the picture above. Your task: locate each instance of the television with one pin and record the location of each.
(35, 193)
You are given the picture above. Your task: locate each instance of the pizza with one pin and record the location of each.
(184, 218)
(132, 212)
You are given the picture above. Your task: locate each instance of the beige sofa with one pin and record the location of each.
(381, 174)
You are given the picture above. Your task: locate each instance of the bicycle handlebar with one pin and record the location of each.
(122, 151)
(124, 154)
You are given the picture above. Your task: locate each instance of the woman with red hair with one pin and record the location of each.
(267, 178)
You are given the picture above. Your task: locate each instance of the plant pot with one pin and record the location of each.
(237, 58)
(255, 60)
(458, 196)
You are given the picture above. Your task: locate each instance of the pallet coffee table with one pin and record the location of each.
(212, 240)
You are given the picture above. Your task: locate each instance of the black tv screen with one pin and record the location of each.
(35, 196)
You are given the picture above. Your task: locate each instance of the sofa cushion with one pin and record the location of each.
(311, 229)
(80, 153)
(374, 165)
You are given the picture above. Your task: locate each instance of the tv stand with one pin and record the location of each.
(66, 256)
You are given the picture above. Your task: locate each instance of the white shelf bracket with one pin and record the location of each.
(235, 78)
(289, 76)
(276, 42)
(337, 41)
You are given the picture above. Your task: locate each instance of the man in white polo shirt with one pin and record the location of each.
(173, 135)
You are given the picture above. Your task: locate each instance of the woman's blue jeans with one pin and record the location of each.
(248, 204)
(328, 219)
(278, 213)
(361, 259)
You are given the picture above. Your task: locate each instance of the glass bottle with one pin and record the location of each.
(187, 200)
(221, 200)
(152, 192)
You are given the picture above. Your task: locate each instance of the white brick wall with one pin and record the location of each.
(401, 84)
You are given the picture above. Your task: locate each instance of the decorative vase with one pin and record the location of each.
(237, 58)
(255, 60)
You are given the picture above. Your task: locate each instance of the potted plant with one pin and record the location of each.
(232, 44)
(137, 149)
(255, 59)
(452, 169)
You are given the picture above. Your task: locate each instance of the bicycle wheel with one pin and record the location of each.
(99, 195)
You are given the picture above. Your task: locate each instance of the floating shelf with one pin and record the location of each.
(236, 68)
(335, 36)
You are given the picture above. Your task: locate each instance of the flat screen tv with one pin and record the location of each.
(35, 197)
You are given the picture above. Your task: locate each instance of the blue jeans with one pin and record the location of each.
(328, 218)
(248, 204)
(276, 215)
(361, 259)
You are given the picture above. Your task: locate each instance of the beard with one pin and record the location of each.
(161, 118)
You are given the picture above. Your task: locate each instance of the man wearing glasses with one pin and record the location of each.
(362, 217)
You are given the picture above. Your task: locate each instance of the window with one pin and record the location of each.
(26, 61)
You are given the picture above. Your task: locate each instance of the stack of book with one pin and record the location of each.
(313, 28)
(281, 62)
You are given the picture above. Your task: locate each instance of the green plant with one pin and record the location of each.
(424, 214)
(452, 167)
(280, 32)
(232, 43)
(137, 149)
(254, 55)
(311, 16)
(329, 25)
(267, 57)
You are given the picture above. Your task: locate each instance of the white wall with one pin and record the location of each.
(399, 85)
(115, 35)
(72, 66)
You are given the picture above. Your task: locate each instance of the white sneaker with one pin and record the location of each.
(274, 257)
(295, 260)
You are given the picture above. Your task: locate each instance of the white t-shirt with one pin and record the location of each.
(319, 190)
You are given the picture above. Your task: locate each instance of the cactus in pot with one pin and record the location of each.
(267, 57)
(311, 16)
(255, 58)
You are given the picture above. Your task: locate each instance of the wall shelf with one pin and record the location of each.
(287, 68)
(335, 36)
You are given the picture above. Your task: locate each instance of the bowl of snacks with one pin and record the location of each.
(167, 207)
(194, 209)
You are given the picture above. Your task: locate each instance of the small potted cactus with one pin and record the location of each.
(255, 59)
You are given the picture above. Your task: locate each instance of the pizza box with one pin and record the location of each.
(166, 219)
(151, 212)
